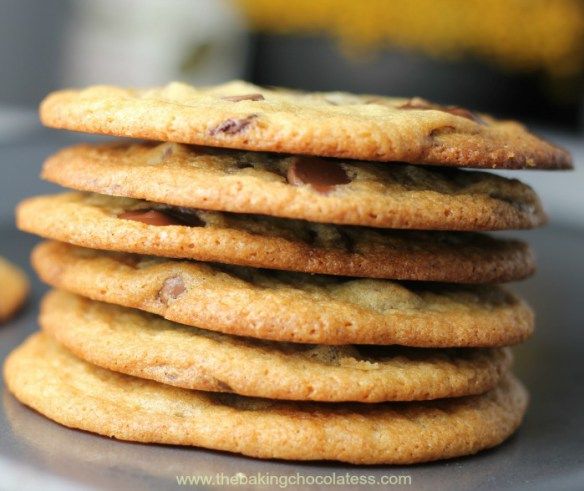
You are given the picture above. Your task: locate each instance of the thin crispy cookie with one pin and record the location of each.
(104, 222)
(341, 192)
(46, 377)
(290, 307)
(330, 124)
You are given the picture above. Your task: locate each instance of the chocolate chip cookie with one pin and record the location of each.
(334, 124)
(128, 225)
(320, 190)
(292, 307)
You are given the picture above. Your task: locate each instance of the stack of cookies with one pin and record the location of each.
(281, 274)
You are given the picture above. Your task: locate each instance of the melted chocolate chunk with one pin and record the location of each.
(322, 175)
(419, 103)
(162, 218)
(150, 217)
(172, 288)
(186, 216)
(232, 126)
(244, 97)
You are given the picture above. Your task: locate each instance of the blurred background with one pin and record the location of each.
(519, 59)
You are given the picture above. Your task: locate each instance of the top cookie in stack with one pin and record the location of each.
(244, 116)
(366, 234)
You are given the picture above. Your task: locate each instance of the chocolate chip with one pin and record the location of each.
(150, 217)
(186, 216)
(172, 288)
(245, 97)
(162, 218)
(232, 126)
(322, 175)
(419, 103)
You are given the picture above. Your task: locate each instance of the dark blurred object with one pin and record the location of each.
(516, 58)
(518, 35)
(317, 63)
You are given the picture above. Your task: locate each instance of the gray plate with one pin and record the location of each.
(547, 452)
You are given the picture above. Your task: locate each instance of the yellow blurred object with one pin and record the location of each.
(521, 35)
